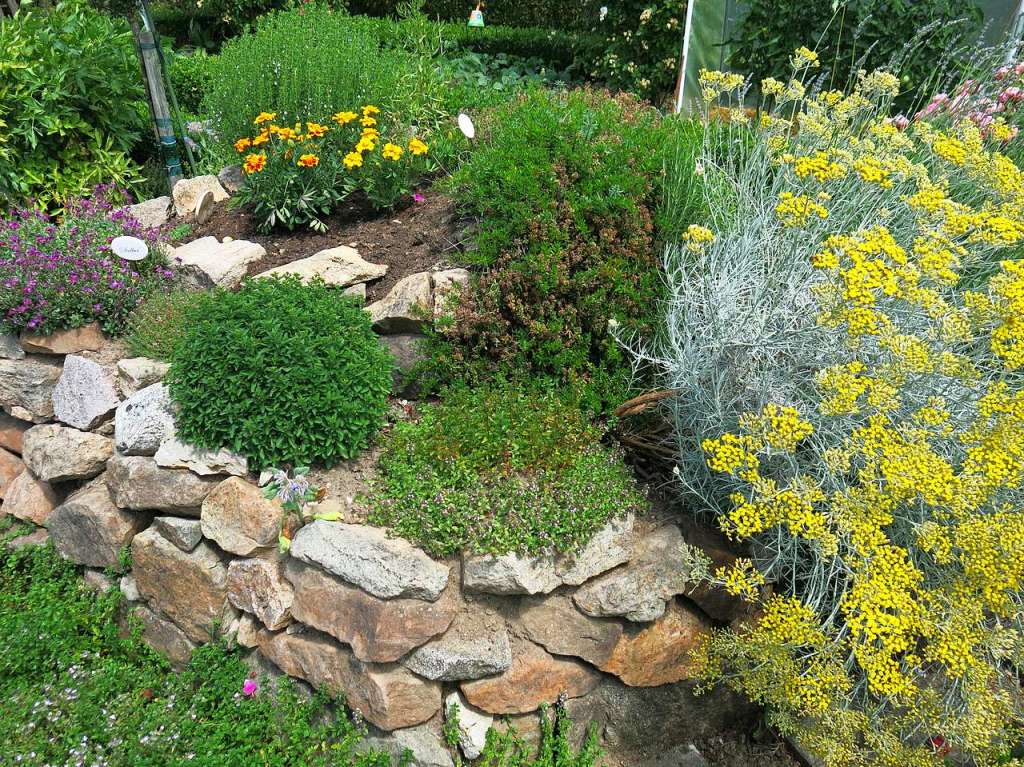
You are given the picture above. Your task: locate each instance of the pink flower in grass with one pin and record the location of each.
(417, 197)
(249, 688)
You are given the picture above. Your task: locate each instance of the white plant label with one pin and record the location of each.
(129, 248)
(466, 126)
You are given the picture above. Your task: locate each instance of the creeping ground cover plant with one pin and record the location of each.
(63, 274)
(846, 344)
(296, 175)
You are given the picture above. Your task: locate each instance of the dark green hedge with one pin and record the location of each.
(570, 14)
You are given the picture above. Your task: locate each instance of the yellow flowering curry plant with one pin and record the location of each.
(885, 488)
(295, 175)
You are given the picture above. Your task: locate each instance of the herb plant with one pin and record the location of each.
(282, 372)
(500, 469)
(159, 322)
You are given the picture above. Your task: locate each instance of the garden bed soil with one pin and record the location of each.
(412, 239)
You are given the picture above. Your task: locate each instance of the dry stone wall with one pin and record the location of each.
(88, 453)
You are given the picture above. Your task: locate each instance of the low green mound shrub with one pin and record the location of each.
(159, 323)
(564, 186)
(500, 469)
(72, 687)
(190, 75)
(71, 103)
(282, 372)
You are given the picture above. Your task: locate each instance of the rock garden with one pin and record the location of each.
(445, 417)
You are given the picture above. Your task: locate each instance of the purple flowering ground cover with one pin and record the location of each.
(57, 274)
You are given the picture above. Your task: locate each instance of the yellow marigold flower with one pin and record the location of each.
(344, 118)
(417, 147)
(264, 117)
(315, 130)
(368, 122)
(803, 57)
(308, 161)
(391, 152)
(287, 134)
(262, 138)
(242, 144)
(353, 160)
(365, 145)
(369, 110)
(370, 133)
(254, 163)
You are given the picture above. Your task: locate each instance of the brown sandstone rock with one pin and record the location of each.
(30, 499)
(239, 518)
(138, 483)
(163, 636)
(555, 623)
(190, 588)
(388, 695)
(72, 341)
(535, 677)
(474, 646)
(26, 387)
(258, 587)
(378, 630)
(10, 467)
(57, 453)
(11, 431)
(89, 529)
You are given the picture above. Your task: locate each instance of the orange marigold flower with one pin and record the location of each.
(263, 138)
(287, 134)
(391, 152)
(264, 117)
(242, 144)
(417, 147)
(343, 118)
(308, 161)
(254, 163)
(353, 160)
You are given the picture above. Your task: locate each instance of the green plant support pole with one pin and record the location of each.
(158, 100)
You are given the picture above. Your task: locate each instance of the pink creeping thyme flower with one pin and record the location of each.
(249, 688)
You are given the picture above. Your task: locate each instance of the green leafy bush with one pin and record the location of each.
(190, 77)
(915, 35)
(70, 103)
(282, 372)
(71, 685)
(157, 325)
(500, 469)
(641, 46)
(303, 63)
(577, 14)
(508, 749)
(563, 185)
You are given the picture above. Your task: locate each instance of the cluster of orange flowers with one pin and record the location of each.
(255, 162)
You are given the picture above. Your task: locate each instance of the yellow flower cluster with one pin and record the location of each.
(796, 209)
(697, 237)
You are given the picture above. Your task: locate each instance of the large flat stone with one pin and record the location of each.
(57, 453)
(474, 646)
(90, 530)
(207, 263)
(378, 630)
(407, 308)
(26, 387)
(368, 558)
(152, 214)
(640, 590)
(425, 744)
(188, 191)
(144, 420)
(555, 623)
(660, 652)
(339, 267)
(30, 499)
(88, 338)
(10, 347)
(387, 695)
(138, 483)
(610, 547)
(190, 588)
(257, 586)
(237, 516)
(175, 454)
(508, 574)
(535, 677)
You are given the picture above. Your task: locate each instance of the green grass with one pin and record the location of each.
(500, 469)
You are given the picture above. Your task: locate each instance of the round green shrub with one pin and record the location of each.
(499, 469)
(282, 372)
